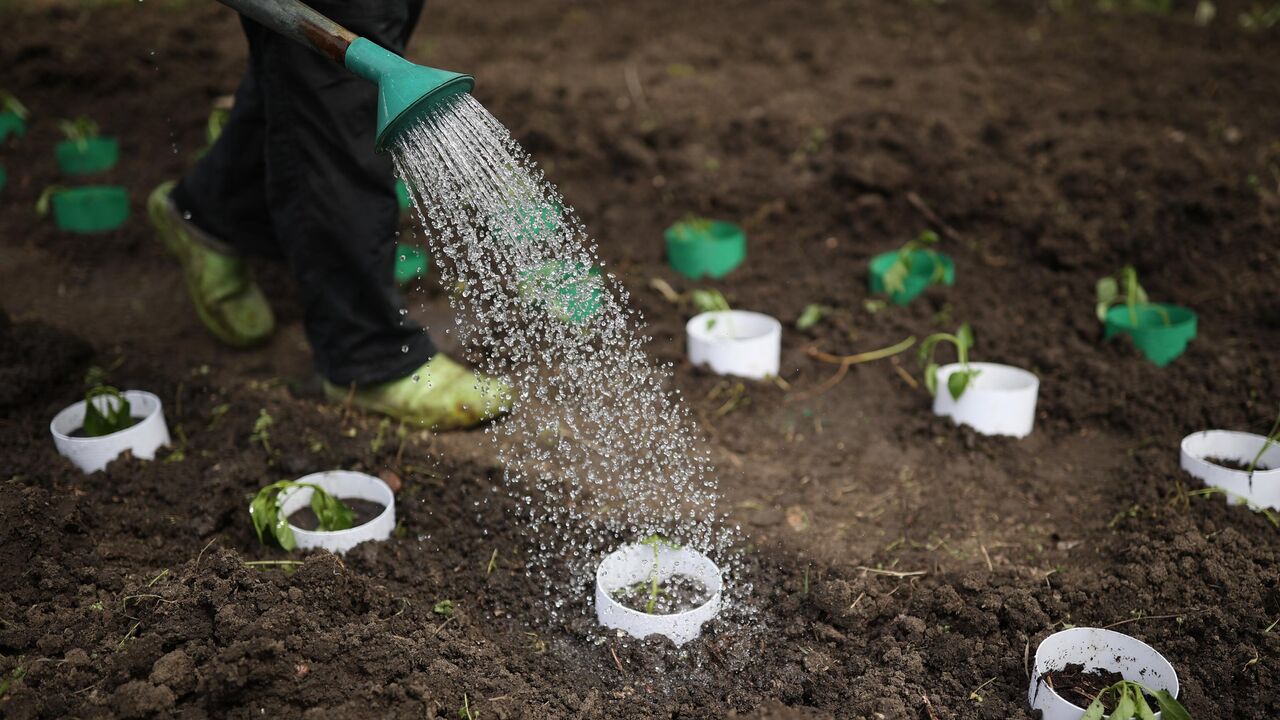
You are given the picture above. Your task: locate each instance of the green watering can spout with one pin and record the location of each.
(406, 92)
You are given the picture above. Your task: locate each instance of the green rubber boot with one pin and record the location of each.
(228, 301)
(441, 395)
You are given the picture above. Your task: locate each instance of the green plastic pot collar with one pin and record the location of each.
(88, 156)
(406, 91)
(411, 263)
(927, 267)
(91, 209)
(1161, 332)
(573, 294)
(710, 249)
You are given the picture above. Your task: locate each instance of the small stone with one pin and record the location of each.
(391, 479)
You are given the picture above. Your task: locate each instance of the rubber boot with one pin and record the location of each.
(228, 301)
(441, 395)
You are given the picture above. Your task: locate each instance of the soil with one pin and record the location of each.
(1235, 464)
(362, 511)
(901, 567)
(677, 594)
(1075, 685)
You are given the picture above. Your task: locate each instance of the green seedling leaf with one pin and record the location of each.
(443, 607)
(331, 513)
(11, 104)
(283, 533)
(895, 278)
(1124, 707)
(1170, 708)
(931, 378)
(1142, 709)
(693, 227)
(1095, 710)
(117, 415)
(959, 381)
(46, 199)
(811, 315)
(1107, 290)
(80, 131)
(708, 300)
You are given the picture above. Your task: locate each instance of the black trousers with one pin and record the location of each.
(294, 176)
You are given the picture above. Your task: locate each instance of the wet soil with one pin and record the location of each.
(362, 511)
(675, 595)
(901, 567)
(1235, 464)
(1075, 685)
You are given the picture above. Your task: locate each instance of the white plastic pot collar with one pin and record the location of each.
(1000, 400)
(735, 342)
(1243, 447)
(92, 454)
(1095, 648)
(344, 485)
(631, 564)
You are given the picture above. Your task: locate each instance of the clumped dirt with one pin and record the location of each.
(901, 567)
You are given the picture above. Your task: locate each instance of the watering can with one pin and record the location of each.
(406, 91)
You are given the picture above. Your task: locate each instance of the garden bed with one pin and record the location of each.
(901, 565)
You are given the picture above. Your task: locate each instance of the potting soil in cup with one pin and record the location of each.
(362, 511)
(597, 450)
(677, 594)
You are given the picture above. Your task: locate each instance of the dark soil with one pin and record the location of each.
(1075, 685)
(677, 594)
(362, 511)
(1235, 464)
(898, 563)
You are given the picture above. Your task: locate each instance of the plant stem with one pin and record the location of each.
(1271, 440)
(653, 583)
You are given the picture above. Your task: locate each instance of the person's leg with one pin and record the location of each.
(225, 194)
(332, 200)
(217, 214)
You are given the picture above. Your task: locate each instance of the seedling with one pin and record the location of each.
(692, 227)
(705, 301)
(895, 278)
(812, 315)
(79, 131)
(262, 430)
(46, 198)
(115, 418)
(959, 380)
(656, 542)
(331, 513)
(1134, 297)
(1273, 437)
(1131, 704)
(9, 103)
(444, 608)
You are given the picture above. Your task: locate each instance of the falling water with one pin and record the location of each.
(598, 449)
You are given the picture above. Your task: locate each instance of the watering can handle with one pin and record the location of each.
(298, 22)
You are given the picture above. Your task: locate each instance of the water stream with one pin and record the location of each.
(598, 447)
